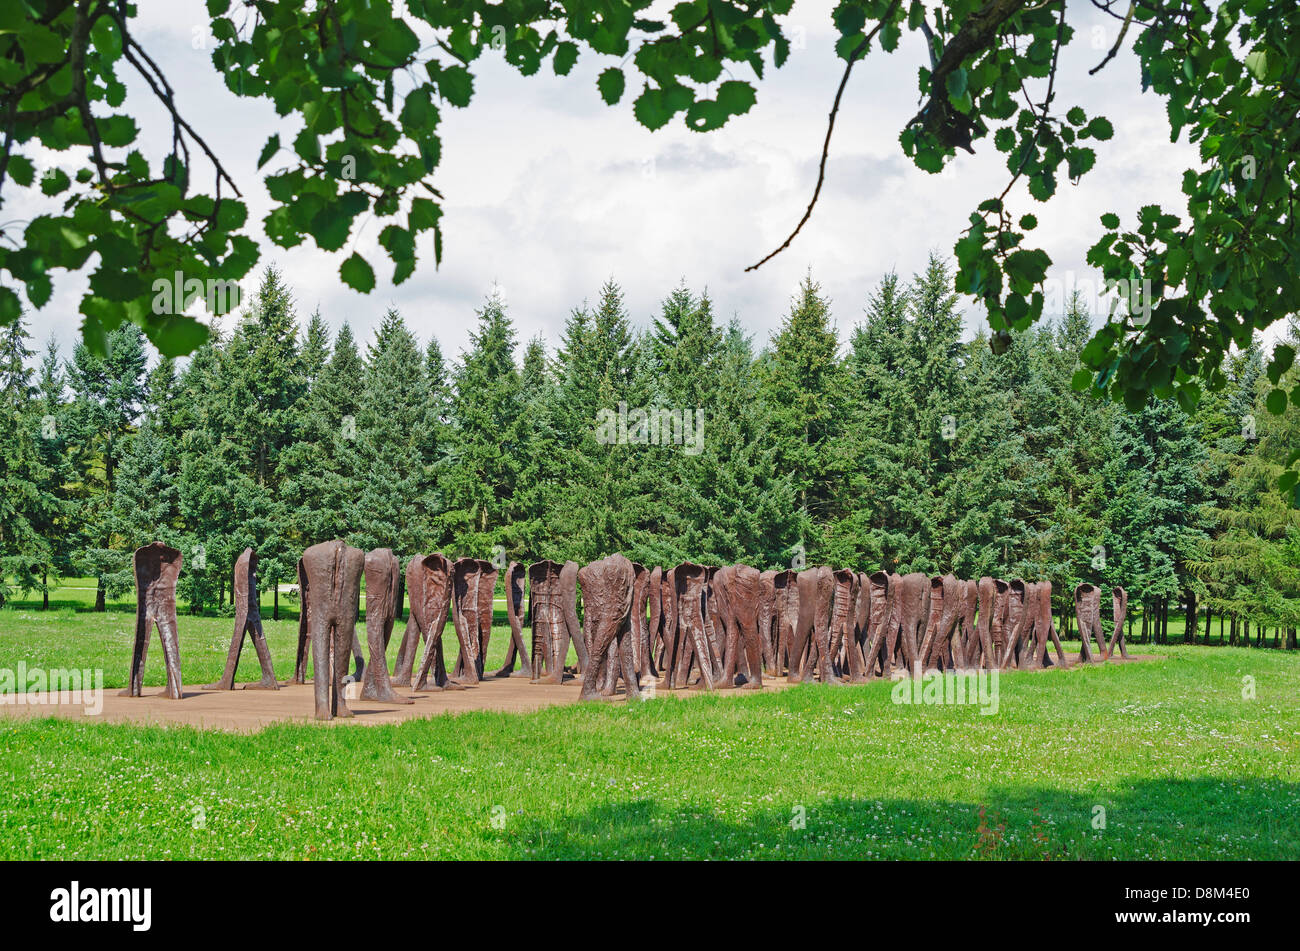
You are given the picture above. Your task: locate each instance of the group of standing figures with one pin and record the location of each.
(688, 626)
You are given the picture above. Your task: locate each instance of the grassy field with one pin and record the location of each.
(1172, 759)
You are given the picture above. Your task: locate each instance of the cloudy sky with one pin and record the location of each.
(549, 192)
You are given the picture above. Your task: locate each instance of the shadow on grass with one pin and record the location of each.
(1199, 818)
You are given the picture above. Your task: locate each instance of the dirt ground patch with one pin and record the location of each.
(247, 711)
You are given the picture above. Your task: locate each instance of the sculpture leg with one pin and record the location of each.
(856, 661)
(345, 636)
(322, 642)
(375, 685)
(602, 637)
(406, 651)
(800, 638)
(515, 649)
(730, 655)
(630, 665)
(171, 655)
(139, 654)
(227, 681)
(754, 658)
(300, 659)
(268, 681)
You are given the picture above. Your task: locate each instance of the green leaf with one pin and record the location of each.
(566, 54)
(610, 83)
(272, 146)
(357, 274)
(176, 335)
(1276, 402)
(456, 85)
(1110, 220)
(736, 97)
(1257, 64)
(1283, 359)
(1099, 128)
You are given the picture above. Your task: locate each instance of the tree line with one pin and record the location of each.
(908, 449)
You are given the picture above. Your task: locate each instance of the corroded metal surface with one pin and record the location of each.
(383, 575)
(515, 576)
(429, 581)
(157, 567)
(1087, 612)
(333, 575)
(1119, 605)
(743, 647)
(607, 605)
(248, 622)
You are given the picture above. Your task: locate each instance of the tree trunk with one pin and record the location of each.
(45, 590)
(275, 601)
(1189, 626)
(100, 605)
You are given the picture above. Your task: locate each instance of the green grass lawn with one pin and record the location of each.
(1183, 765)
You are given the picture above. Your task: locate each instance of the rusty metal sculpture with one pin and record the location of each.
(717, 615)
(691, 641)
(332, 571)
(999, 594)
(428, 579)
(248, 622)
(766, 616)
(855, 663)
(1119, 606)
(911, 615)
(550, 621)
(811, 643)
(945, 601)
(1087, 612)
(569, 602)
(469, 580)
(844, 612)
(304, 636)
(1045, 630)
(639, 623)
(1016, 619)
(965, 639)
(607, 606)
(157, 567)
(515, 574)
(1029, 626)
(383, 573)
(743, 645)
(882, 627)
(787, 616)
(416, 623)
(668, 626)
(655, 624)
